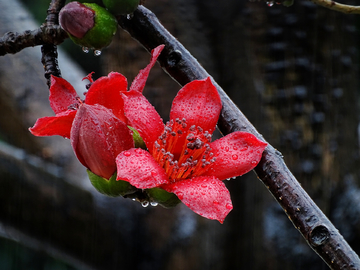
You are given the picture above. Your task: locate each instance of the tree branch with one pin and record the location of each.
(13, 42)
(311, 222)
(348, 9)
(49, 51)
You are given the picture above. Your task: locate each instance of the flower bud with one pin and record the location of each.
(77, 19)
(97, 137)
(121, 7)
(88, 24)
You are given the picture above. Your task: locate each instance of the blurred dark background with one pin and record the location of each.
(292, 71)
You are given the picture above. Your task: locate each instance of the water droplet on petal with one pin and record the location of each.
(145, 204)
(203, 185)
(229, 206)
(85, 49)
(234, 157)
(97, 52)
(153, 203)
(227, 149)
(254, 162)
(215, 202)
(127, 154)
(180, 195)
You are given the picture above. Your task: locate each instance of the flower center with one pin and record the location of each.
(183, 152)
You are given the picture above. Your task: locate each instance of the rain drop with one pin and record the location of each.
(97, 52)
(180, 195)
(153, 203)
(270, 3)
(129, 16)
(145, 204)
(229, 206)
(234, 157)
(227, 149)
(127, 154)
(85, 49)
(215, 202)
(203, 185)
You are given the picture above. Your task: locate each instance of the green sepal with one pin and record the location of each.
(111, 187)
(99, 2)
(162, 197)
(103, 31)
(121, 7)
(139, 142)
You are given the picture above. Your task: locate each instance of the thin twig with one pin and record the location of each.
(311, 222)
(13, 42)
(49, 51)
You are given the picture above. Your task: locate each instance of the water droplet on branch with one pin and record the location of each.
(145, 204)
(85, 49)
(97, 52)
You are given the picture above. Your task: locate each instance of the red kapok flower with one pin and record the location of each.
(181, 158)
(99, 132)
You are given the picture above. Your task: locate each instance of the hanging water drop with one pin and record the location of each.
(145, 204)
(154, 203)
(270, 3)
(85, 49)
(97, 52)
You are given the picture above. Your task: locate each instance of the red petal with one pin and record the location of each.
(54, 125)
(106, 91)
(139, 82)
(62, 95)
(199, 103)
(140, 169)
(236, 154)
(205, 195)
(97, 137)
(143, 117)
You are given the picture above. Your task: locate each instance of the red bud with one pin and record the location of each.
(97, 137)
(77, 19)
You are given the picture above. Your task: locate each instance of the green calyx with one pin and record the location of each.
(111, 187)
(103, 31)
(121, 7)
(139, 142)
(162, 197)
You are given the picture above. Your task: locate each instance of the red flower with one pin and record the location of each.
(96, 126)
(181, 158)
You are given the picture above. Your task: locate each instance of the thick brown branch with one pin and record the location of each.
(315, 227)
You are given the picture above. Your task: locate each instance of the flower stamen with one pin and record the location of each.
(192, 159)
